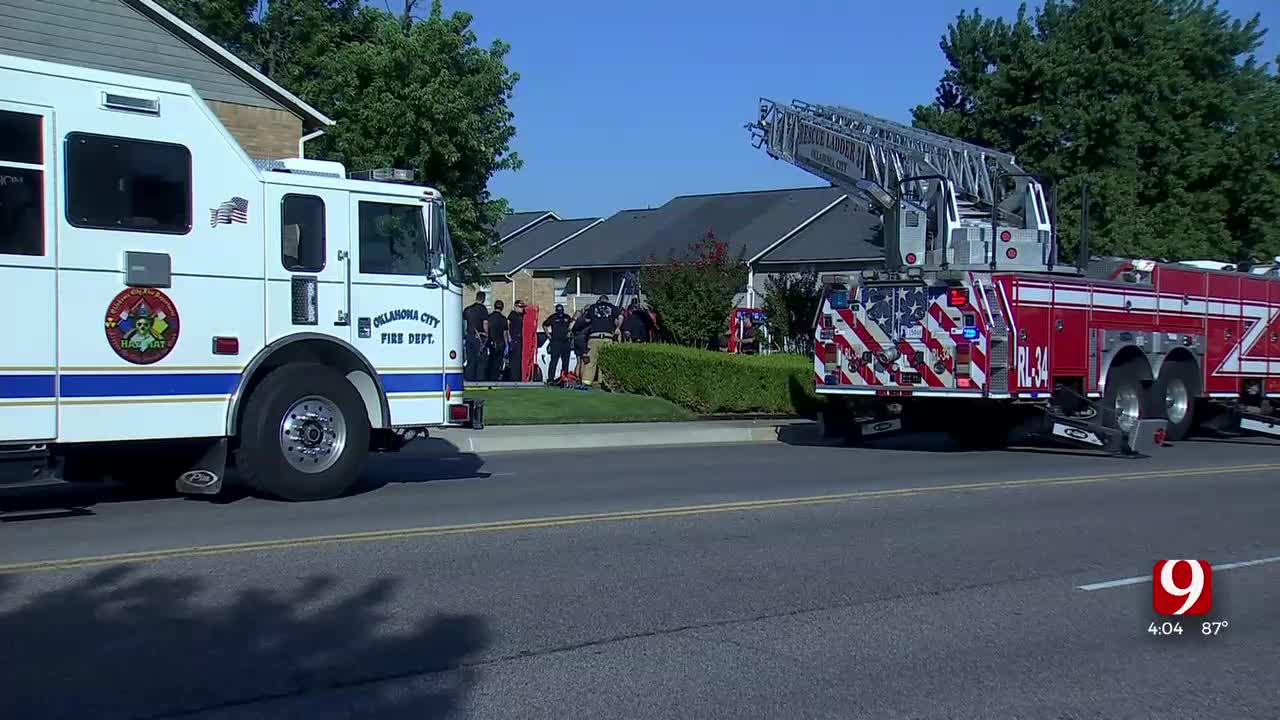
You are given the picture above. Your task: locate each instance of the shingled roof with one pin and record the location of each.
(525, 246)
(621, 228)
(749, 222)
(517, 222)
(848, 232)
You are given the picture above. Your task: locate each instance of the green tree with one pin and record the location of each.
(404, 91)
(692, 294)
(791, 303)
(1158, 105)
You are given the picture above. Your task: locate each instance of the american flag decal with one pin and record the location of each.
(235, 210)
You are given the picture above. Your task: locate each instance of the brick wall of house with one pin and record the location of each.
(497, 290)
(535, 290)
(262, 132)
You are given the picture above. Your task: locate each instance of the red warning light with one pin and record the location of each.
(957, 296)
(1011, 253)
(1006, 236)
(911, 258)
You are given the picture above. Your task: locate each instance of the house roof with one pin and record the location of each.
(517, 251)
(311, 117)
(571, 254)
(846, 232)
(516, 222)
(749, 222)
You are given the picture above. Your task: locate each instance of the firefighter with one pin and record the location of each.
(637, 326)
(498, 339)
(476, 324)
(559, 324)
(603, 323)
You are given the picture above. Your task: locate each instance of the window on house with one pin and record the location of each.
(121, 184)
(21, 184)
(393, 239)
(302, 239)
(615, 282)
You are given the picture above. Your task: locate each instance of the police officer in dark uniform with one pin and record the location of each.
(476, 319)
(603, 320)
(580, 324)
(515, 328)
(498, 338)
(559, 324)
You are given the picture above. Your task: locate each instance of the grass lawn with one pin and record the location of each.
(537, 406)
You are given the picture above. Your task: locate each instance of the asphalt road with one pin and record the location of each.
(729, 582)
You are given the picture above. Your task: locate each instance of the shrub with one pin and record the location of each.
(693, 294)
(709, 382)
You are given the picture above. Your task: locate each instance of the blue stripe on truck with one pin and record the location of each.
(153, 384)
(148, 384)
(420, 382)
(25, 387)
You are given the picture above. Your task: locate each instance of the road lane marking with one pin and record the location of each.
(1147, 578)
(565, 520)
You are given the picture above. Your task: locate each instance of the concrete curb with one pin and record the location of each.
(525, 438)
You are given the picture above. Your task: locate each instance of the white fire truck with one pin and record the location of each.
(973, 325)
(178, 306)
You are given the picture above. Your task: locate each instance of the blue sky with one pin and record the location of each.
(627, 106)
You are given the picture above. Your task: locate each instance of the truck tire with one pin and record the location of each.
(304, 434)
(1174, 396)
(1126, 399)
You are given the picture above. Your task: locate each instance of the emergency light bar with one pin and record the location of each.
(384, 175)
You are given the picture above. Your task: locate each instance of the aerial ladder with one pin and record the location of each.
(944, 202)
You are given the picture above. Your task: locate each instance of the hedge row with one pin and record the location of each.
(709, 382)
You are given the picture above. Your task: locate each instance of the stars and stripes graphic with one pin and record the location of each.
(905, 337)
(235, 210)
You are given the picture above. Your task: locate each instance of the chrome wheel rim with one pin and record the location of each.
(1177, 400)
(313, 434)
(1128, 408)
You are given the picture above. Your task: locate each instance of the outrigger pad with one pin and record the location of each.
(1147, 435)
(871, 428)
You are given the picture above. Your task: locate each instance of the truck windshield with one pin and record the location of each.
(441, 230)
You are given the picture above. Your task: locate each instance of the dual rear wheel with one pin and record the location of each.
(1132, 396)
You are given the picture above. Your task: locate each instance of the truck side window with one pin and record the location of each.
(122, 184)
(21, 185)
(393, 239)
(302, 239)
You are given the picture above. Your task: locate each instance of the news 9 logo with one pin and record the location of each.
(1182, 587)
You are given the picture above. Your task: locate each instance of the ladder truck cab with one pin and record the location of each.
(973, 325)
(179, 307)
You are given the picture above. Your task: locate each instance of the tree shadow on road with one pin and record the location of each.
(123, 643)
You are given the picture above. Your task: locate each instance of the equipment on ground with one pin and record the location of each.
(974, 326)
(184, 308)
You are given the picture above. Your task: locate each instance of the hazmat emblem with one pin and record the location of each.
(142, 325)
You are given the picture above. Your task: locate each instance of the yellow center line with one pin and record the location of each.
(564, 520)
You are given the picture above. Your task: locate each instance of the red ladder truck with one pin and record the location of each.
(974, 326)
